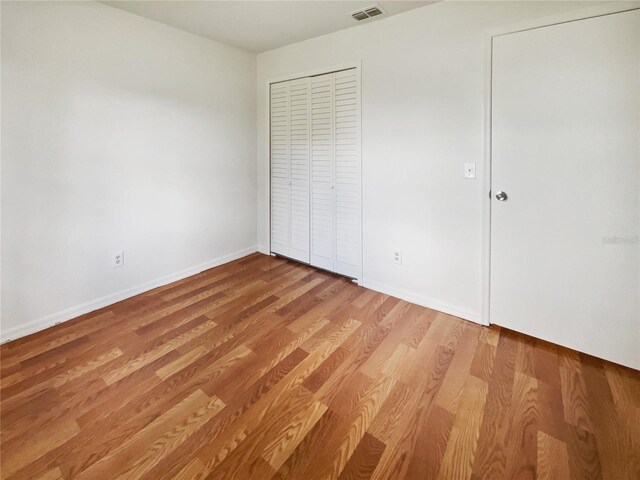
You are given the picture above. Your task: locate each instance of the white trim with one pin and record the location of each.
(485, 256)
(606, 8)
(360, 280)
(73, 312)
(423, 301)
(315, 71)
(571, 16)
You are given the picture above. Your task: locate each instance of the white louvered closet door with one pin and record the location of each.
(322, 173)
(336, 211)
(290, 169)
(280, 169)
(348, 198)
(316, 211)
(299, 172)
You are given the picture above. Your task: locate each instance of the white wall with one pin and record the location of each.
(117, 132)
(422, 118)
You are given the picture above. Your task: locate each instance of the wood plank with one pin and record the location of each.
(490, 460)
(522, 446)
(553, 458)
(463, 440)
(574, 392)
(20, 454)
(608, 427)
(364, 460)
(135, 448)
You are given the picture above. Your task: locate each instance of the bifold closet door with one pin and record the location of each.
(280, 169)
(299, 170)
(290, 169)
(322, 173)
(348, 177)
(336, 212)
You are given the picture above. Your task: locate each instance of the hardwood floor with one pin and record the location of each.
(266, 369)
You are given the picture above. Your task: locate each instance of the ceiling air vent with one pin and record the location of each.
(373, 11)
(368, 12)
(360, 16)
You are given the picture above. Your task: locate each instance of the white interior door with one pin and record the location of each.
(565, 256)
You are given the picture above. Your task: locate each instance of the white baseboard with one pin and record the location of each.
(423, 301)
(264, 249)
(73, 312)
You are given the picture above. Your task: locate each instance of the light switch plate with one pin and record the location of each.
(469, 170)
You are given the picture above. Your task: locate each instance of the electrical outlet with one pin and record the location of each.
(469, 170)
(397, 256)
(117, 259)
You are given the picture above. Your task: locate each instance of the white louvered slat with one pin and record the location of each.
(322, 173)
(280, 169)
(348, 198)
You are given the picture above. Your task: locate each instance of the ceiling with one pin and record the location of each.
(258, 26)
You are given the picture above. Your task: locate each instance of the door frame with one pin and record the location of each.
(489, 35)
(355, 64)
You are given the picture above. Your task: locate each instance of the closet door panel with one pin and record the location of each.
(280, 169)
(348, 199)
(299, 106)
(322, 173)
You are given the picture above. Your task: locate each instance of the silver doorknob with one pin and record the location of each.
(501, 196)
